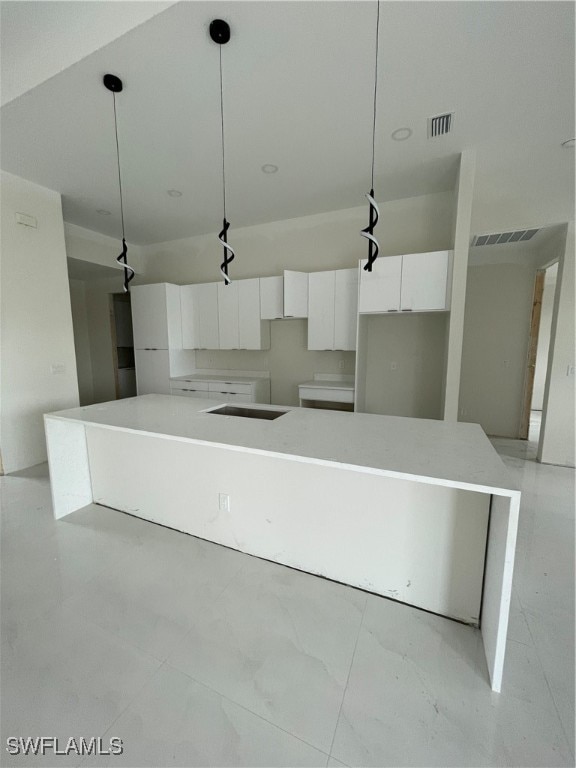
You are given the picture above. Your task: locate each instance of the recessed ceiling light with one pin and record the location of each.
(269, 168)
(174, 193)
(103, 212)
(568, 144)
(401, 134)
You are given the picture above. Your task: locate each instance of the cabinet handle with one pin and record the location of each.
(406, 310)
(392, 310)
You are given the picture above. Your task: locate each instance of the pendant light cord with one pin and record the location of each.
(118, 164)
(375, 91)
(222, 136)
(368, 232)
(223, 234)
(122, 259)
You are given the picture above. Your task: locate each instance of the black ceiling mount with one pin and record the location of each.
(220, 31)
(113, 83)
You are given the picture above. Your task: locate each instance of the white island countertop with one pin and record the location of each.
(438, 452)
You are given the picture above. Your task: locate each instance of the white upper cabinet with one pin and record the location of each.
(380, 289)
(253, 332)
(285, 296)
(425, 281)
(417, 282)
(219, 316)
(189, 330)
(321, 298)
(204, 297)
(345, 308)
(156, 316)
(295, 294)
(271, 298)
(332, 309)
(228, 315)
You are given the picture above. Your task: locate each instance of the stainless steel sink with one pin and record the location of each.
(246, 412)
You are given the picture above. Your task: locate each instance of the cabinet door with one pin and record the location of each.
(424, 281)
(295, 294)
(380, 289)
(205, 298)
(152, 371)
(321, 310)
(228, 315)
(271, 298)
(345, 308)
(189, 323)
(249, 322)
(149, 316)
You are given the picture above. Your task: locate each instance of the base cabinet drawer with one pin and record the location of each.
(333, 395)
(188, 392)
(191, 384)
(230, 386)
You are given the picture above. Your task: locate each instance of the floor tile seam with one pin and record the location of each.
(360, 626)
(552, 697)
(148, 679)
(236, 703)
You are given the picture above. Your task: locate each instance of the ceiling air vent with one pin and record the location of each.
(501, 238)
(440, 125)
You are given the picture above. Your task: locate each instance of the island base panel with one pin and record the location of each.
(70, 483)
(415, 542)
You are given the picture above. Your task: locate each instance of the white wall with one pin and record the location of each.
(544, 332)
(496, 333)
(557, 445)
(36, 322)
(82, 341)
(311, 243)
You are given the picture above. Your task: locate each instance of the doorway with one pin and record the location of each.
(122, 345)
(538, 348)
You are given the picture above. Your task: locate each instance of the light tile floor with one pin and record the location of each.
(193, 654)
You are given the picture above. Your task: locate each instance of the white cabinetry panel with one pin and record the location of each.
(252, 332)
(152, 371)
(380, 289)
(345, 308)
(149, 316)
(321, 297)
(228, 315)
(424, 281)
(271, 298)
(295, 294)
(332, 309)
(205, 308)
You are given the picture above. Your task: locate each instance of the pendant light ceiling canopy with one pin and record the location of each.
(115, 85)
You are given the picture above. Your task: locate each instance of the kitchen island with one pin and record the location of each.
(416, 510)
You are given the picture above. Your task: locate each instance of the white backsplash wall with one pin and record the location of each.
(289, 361)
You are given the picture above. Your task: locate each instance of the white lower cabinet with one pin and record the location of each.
(244, 391)
(152, 371)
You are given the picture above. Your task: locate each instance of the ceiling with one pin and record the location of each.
(298, 80)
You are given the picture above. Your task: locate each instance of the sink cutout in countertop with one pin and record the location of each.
(247, 413)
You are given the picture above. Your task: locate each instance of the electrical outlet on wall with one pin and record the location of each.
(224, 502)
(341, 364)
(394, 366)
